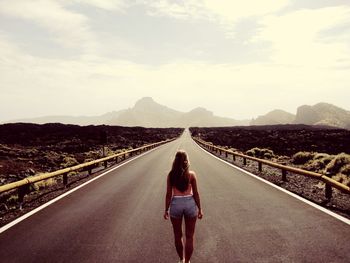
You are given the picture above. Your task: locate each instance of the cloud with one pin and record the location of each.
(226, 13)
(309, 60)
(235, 10)
(69, 29)
(103, 4)
(179, 9)
(221, 9)
(299, 38)
(95, 85)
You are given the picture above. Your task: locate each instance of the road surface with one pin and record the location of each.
(118, 218)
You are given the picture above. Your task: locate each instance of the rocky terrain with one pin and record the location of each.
(281, 139)
(27, 149)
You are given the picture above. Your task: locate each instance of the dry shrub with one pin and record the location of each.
(93, 155)
(45, 183)
(69, 161)
(340, 161)
(345, 169)
(260, 153)
(321, 156)
(88, 160)
(318, 163)
(302, 157)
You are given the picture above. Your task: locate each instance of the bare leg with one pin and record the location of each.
(190, 224)
(177, 226)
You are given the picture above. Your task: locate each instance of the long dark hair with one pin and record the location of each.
(179, 176)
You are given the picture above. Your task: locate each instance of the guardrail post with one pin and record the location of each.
(105, 164)
(226, 154)
(22, 191)
(233, 157)
(244, 161)
(260, 166)
(284, 175)
(65, 180)
(328, 191)
(90, 170)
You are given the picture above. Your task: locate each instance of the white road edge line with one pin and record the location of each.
(325, 210)
(32, 212)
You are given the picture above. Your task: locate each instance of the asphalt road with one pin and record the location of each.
(118, 218)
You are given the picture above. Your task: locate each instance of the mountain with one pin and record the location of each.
(323, 114)
(78, 120)
(147, 113)
(274, 117)
(200, 117)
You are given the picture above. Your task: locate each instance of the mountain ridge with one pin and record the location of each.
(322, 114)
(274, 117)
(148, 113)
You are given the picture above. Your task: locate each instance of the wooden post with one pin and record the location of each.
(260, 166)
(226, 154)
(22, 191)
(65, 180)
(244, 161)
(90, 170)
(284, 175)
(105, 164)
(328, 191)
(233, 157)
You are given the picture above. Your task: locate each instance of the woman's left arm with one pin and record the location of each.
(167, 198)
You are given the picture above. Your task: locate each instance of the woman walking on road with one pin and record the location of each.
(182, 198)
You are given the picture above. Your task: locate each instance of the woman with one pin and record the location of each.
(183, 200)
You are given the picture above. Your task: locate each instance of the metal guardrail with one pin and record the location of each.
(284, 168)
(23, 185)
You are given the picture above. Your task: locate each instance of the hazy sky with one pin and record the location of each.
(238, 59)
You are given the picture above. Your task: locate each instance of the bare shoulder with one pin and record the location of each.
(193, 175)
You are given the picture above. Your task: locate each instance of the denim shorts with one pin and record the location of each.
(183, 205)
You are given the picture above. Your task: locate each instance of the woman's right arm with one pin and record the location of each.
(196, 195)
(167, 198)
